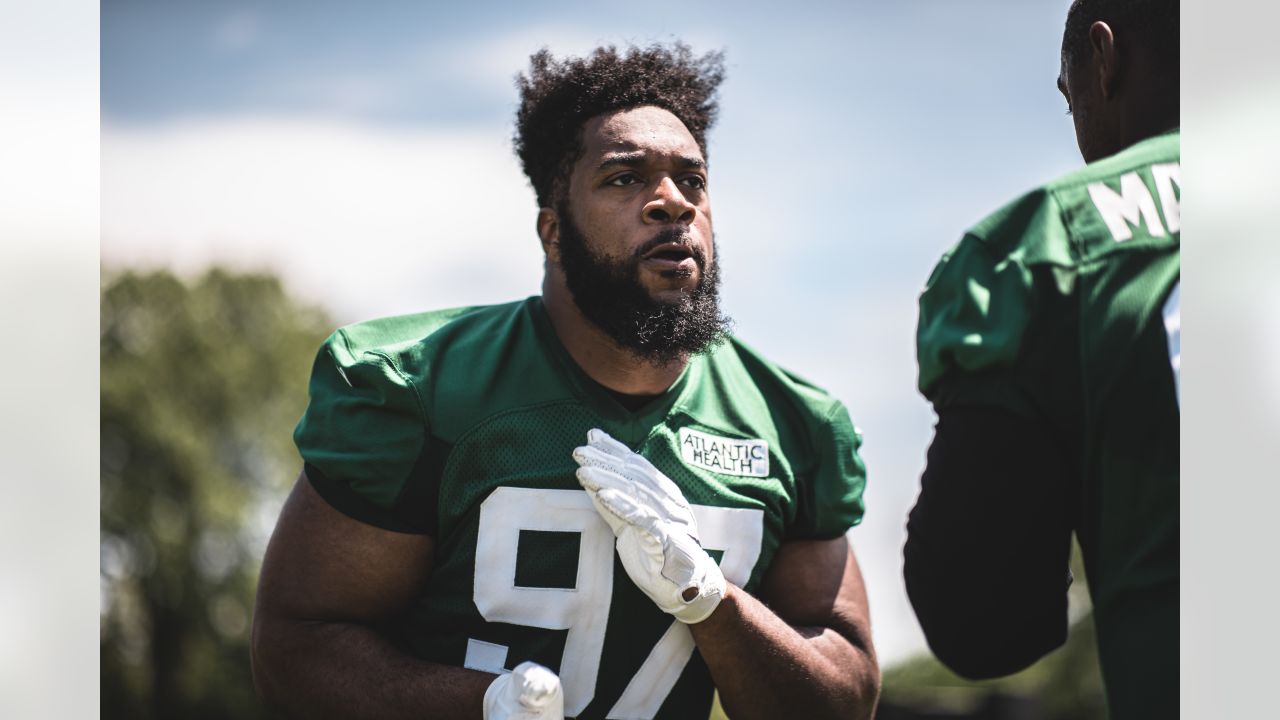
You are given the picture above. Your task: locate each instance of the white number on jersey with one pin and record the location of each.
(584, 609)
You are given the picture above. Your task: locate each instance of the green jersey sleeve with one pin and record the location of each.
(830, 500)
(363, 437)
(991, 325)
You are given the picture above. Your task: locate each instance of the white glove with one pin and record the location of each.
(530, 692)
(656, 531)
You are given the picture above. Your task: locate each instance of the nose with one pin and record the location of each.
(669, 205)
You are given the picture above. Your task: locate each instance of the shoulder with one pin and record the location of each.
(1160, 149)
(374, 416)
(1129, 201)
(461, 365)
(412, 349)
(810, 432)
(1132, 192)
(991, 265)
(798, 415)
(387, 361)
(410, 354)
(398, 335)
(737, 362)
(1019, 264)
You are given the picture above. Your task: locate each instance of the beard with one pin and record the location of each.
(609, 293)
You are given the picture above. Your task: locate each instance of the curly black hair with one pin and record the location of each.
(558, 96)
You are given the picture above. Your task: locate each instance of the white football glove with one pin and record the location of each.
(656, 531)
(530, 692)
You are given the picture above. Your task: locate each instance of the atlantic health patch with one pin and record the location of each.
(730, 456)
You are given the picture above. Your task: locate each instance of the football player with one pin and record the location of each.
(591, 503)
(1048, 343)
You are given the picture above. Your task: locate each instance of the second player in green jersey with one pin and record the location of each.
(1049, 344)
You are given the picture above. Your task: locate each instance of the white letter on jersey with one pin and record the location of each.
(1173, 328)
(1132, 205)
(582, 610)
(1166, 176)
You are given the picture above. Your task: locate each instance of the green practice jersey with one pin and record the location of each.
(461, 424)
(1064, 306)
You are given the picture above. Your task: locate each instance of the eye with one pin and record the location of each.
(697, 182)
(624, 180)
(1062, 88)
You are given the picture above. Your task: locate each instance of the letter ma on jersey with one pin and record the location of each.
(730, 456)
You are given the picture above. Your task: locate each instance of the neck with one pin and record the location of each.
(1148, 103)
(1146, 118)
(602, 359)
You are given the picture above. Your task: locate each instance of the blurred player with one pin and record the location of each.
(440, 535)
(1049, 346)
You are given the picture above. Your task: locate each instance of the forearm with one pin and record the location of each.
(344, 670)
(993, 513)
(765, 668)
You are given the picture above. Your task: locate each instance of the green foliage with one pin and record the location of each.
(202, 383)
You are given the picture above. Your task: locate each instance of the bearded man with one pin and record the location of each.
(593, 503)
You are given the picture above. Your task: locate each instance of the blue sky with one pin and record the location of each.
(362, 151)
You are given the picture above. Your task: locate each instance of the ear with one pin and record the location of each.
(1106, 62)
(548, 227)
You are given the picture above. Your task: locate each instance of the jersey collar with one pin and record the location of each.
(638, 423)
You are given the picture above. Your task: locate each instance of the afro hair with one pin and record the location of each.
(558, 96)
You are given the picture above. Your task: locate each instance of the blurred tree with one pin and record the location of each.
(202, 383)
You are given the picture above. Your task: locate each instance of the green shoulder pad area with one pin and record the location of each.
(822, 449)
(1013, 273)
(981, 297)
(365, 430)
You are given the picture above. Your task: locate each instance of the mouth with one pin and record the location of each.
(670, 252)
(672, 260)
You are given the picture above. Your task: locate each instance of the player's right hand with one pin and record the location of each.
(530, 692)
(656, 530)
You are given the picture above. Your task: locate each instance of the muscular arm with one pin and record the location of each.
(326, 581)
(989, 542)
(808, 652)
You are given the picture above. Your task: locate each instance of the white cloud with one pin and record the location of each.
(495, 60)
(489, 62)
(367, 222)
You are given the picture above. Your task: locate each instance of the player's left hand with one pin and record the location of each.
(530, 692)
(656, 531)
